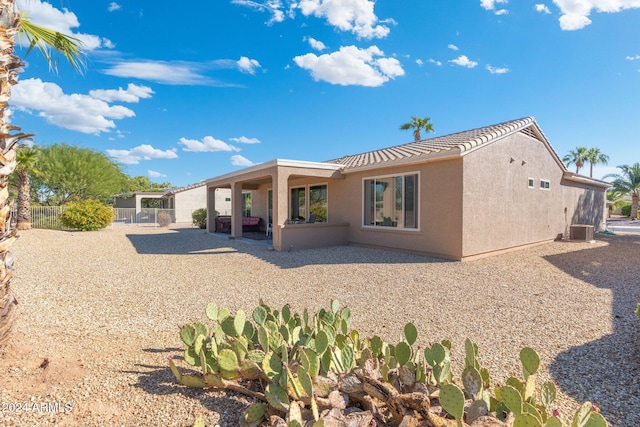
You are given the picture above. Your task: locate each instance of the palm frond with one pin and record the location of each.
(45, 39)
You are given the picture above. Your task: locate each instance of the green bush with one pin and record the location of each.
(626, 210)
(200, 217)
(86, 215)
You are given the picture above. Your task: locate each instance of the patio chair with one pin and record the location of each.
(269, 230)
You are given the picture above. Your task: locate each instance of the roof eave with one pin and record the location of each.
(582, 179)
(276, 163)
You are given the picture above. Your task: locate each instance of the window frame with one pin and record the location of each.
(307, 201)
(417, 200)
(531, 183)
(545, 185)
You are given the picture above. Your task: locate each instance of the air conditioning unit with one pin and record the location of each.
(582, 232)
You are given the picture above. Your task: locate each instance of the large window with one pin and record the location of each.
(391, 201)
(308, 201)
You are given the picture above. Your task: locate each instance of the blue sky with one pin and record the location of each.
(188, 91)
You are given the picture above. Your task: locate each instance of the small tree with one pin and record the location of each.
(199, 217)
(86, 215)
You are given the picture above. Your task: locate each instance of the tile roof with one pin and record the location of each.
(463, 141)
(188, 187)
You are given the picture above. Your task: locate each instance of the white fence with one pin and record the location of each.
(49, 216)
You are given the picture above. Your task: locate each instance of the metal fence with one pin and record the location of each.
(49, 216)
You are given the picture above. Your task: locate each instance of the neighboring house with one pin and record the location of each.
(182, 201)
(457, 196)
(185, 200)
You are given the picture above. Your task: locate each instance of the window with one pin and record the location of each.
(307, 201)
(270, 206)
(545, 184)
(246, 204)
(391, 201)
(531, 181)
(318, 202)
(298, 203)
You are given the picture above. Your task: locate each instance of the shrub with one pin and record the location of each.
(164, 218)
(312, 367)
(626, 210)
(200, 217)
(86, 215)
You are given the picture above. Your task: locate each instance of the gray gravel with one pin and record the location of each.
(103, 308)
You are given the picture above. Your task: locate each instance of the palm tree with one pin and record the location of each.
(15, 25)
(417, 124)
(594, 156)
(27, 159)
(577, 157)
(628, 182)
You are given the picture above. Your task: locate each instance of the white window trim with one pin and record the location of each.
(531, 183)
(391, 229)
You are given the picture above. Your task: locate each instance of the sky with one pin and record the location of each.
(183, 92)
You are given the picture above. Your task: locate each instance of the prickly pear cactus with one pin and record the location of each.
(312, 368)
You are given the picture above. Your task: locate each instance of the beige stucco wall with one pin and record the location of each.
(501, 212)
(440, 206)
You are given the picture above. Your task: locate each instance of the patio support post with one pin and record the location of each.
(211, 209)
(236, 209)
(280, 205)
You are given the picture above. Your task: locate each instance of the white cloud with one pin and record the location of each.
(453, 47)
(356, 16)
(247, 65)
(154, 174)
(274, 7)
(491, 5)
(133, 93)
(632, 58)
(63, 21)
(351, 66)
(82, 113)
(141, 152)
(419, 62)
(463, 61)
(542, 8)
(164, 72)
(238, 160)
(575, 13)
(497, 70)
(207, 144)
(433, 61)
(315, 44)
(244, 140)
(113, 6)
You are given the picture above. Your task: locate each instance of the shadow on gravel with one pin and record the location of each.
(159, 380)
(197, 242)
(610, 366)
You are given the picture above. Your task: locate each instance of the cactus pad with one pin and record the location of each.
(403, 353)
(255, 412)
(512, 399)
(472, 381)
(526, 420)
(530, 361)
(410, 333)
(452, 400)
(228, 360)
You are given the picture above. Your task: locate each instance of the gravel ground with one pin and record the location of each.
(99, 313)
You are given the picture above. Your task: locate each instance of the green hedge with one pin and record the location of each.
(86, 215)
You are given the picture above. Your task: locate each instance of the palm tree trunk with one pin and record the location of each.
(634, 205)
(24, 208)
(9, 66)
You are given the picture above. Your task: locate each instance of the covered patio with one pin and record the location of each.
(285, 194)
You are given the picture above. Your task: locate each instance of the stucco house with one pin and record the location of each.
(458, 196)
(181, 201)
